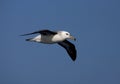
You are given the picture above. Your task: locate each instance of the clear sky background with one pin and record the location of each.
(95, 24)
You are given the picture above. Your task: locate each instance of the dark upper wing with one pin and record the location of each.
(70, 48)
(43, 32)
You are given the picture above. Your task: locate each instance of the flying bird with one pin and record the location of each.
(51, 37)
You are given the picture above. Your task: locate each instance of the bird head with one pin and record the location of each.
(67, 35)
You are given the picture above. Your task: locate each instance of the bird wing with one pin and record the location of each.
(70, 48)
(43, 32)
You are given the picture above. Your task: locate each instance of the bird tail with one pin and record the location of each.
(29, 39)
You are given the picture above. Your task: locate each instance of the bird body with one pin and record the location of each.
(51, 37)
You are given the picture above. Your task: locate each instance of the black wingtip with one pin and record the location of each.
(26, 34)
(73, 59)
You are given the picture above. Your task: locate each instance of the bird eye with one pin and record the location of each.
(67, 34)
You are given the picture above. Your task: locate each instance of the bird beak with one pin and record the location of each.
(73, 38)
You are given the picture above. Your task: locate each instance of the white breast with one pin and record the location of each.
(57, 38)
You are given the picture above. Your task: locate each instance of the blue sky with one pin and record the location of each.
(95, 24)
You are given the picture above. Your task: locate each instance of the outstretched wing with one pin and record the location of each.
(43, 32)
(70, 48)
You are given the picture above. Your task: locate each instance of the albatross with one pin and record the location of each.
(51, 37)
